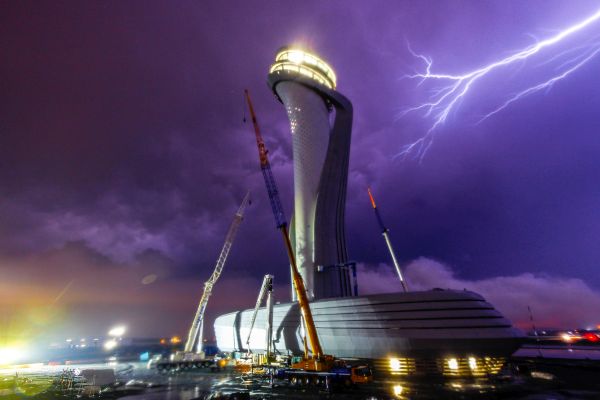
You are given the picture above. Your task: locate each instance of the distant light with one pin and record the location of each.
(566, 337)
(69, 340)
(82, 340)
(110, 344)
(9, 355)
(591, 337)
(175, 340)
(398, 389)
(472, 362)
(163, 341)
(395, 365)
(117, 331)
(453, 364)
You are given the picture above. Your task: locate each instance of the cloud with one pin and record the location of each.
(76, 291)
(556, 302)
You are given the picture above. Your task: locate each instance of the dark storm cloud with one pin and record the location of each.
(121, 129)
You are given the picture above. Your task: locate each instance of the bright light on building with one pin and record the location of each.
(472, 362)
(395, 364)
(110, 344)
(453, 364)
(295, 57)
(301, 62)
(398, 389)
(117, 331)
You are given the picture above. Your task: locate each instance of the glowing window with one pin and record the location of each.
(453, 364)
(472, 362)
(395, 364)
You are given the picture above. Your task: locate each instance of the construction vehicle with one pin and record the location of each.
(192, 355)
(318, 362)
(266, 290)
(340, 374)
(386, 236)
(245, 363)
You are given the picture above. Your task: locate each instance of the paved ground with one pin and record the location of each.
(530, 379)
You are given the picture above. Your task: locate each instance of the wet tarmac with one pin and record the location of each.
(527, 380)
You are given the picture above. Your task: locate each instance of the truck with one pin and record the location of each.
(340, 374)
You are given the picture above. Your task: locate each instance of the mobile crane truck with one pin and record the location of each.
(192, 355)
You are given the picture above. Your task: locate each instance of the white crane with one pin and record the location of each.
(265, 290)
(195, 334)
(386, 236)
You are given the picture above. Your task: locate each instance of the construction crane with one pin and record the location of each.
(319, 361)
(195, 333)
(385, 232)
(266, 290)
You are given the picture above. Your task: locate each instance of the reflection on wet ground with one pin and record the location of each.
(526, 381)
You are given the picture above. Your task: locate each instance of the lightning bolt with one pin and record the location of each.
(450, 89)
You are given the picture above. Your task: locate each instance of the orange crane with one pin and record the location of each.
(318, 361)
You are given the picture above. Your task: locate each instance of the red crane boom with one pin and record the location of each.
(320, 361)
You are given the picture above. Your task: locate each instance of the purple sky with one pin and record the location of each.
(123, 154)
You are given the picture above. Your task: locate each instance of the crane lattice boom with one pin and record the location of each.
(195, 333)
(282, 226)
(265, 167)
(266, 290)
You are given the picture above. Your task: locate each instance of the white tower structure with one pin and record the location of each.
(305, 84)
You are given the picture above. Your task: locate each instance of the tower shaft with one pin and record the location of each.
(305, 84)
(309, 122)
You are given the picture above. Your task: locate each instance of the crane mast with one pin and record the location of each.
(281, 222)
(266, 290)
(385, 232)
(195, 333)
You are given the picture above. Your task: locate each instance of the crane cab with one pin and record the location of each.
(361, 374)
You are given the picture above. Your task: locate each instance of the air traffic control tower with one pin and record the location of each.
(321, 126)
